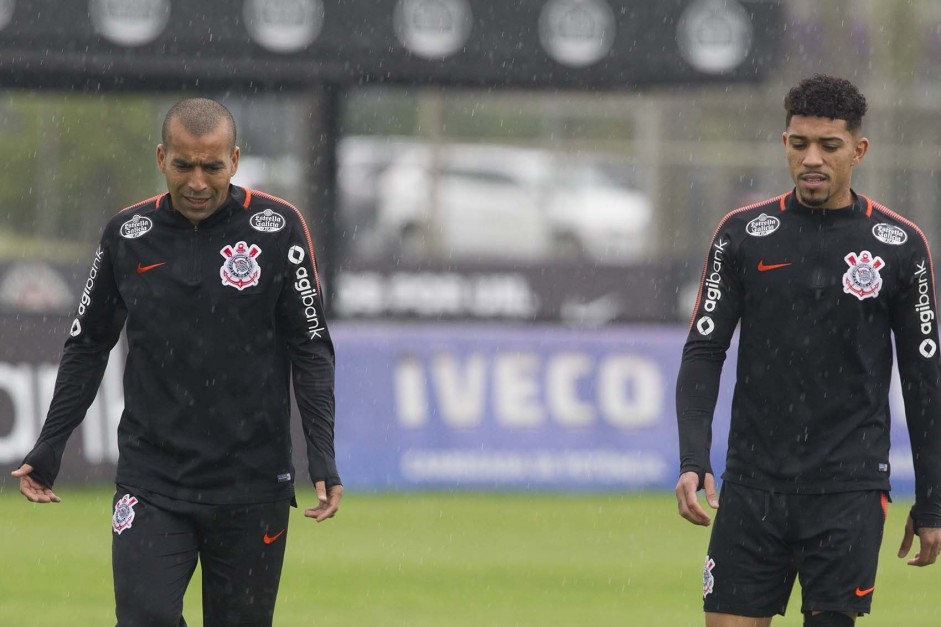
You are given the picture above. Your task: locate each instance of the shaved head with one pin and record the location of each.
(199, 116)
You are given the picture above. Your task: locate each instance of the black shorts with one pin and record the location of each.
(761, 540)
(156, 541)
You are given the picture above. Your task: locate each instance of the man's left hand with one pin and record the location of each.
(930, 544)
(329, 502)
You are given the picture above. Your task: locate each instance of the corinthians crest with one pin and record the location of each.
(240, 270)
(123, 513)
(708, 581)
(862, 279)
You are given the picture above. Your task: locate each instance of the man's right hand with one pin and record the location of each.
(32, 489)
(687, 501)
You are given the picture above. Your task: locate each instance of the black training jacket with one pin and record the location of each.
(818, 295)
(218, 318)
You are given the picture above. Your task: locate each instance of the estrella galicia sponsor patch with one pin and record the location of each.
(240, 270)
(889, 234)
(136, 227)
(123, 514)
(862, 279)
(762, 225)
(708, 581)
(267, 221)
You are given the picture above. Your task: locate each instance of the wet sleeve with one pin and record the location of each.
(716, 314)
(914, 323)
(93, 333)
(301, 314)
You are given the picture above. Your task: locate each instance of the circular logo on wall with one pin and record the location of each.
(36, 287)
(576, 33)
(130, 22)
(284, 25)
(6, 13)
(432, 29)
(714, 36)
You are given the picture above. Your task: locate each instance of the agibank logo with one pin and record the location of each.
(307, 291)
(713, 277)
(924, 309)
(705, 325)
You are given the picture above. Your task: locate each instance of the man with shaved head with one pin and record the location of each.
(199, 116)
(218, 291)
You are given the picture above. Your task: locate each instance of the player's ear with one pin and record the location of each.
(860, 150)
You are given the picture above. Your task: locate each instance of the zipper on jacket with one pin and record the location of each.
(195, 252)
(818, 278)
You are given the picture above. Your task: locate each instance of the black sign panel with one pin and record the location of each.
(578, 44)
(578, 295)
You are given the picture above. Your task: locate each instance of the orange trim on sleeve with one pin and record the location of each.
(310, 241)
(156, 200)
(722, 222)
(883, 209)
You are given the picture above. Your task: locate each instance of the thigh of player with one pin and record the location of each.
(153, 556)
(241, 549)
(839, 550)
(749, 569)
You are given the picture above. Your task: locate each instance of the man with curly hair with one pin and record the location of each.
(820, 281)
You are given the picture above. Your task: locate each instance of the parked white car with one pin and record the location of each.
(490, 201)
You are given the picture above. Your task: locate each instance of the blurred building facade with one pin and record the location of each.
(691, 153)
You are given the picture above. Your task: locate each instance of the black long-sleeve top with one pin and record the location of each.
(219, 318)
(819, 295)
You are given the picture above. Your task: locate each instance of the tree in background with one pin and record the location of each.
(72, 159)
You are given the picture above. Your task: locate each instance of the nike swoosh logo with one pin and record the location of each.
(771, 266)
(142, 269)
(269, 539)
(861, 593)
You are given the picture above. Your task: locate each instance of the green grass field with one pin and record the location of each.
(433, 559)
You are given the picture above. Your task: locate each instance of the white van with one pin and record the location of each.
(491, 201)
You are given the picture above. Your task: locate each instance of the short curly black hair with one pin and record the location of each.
(825, 96)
